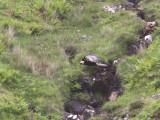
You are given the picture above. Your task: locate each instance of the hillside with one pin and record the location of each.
(42, 43)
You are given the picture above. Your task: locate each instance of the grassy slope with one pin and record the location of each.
(90, 31)
(141, 77)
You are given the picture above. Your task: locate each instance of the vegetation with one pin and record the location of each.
(42, 42)
(140, 77)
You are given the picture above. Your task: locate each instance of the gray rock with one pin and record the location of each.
(113, 9)
(148, 39)
(156, 96)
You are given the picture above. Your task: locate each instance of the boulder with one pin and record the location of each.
(75, 107)
(78, 111)
(117, 61)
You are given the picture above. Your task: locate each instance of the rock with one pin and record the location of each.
(96, 102)
(156, 96)
(117, 61)
(86, 84)
(70, 116)
(78, 111)
(113, 96)
(115, 118)
(103, 81)
(108, 9)
(148, 39)
(127, 117)
(75, 107)
(133, 1)
(129, 5)
(113, 9)
(73, 117)
(88, 112)
(133, 49)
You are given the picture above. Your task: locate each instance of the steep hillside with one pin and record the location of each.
(140, 75)
(43, 41)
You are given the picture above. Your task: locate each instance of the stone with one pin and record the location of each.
(129, 5)
(148, 39)
(113, 96)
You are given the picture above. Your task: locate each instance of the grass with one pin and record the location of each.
(36, 70)
(141, 74)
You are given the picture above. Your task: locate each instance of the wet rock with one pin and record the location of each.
(86, 84)
(106, 81)
(102, 82)
(96, 102)
(75, 107)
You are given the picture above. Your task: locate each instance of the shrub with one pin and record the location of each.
(36, 29)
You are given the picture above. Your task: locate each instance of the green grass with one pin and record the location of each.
(43, 31)
(29, 90)
(140, 74)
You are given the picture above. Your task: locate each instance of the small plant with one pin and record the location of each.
(61, 7)
(3, 4)
(36, 29)
(71, 51)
